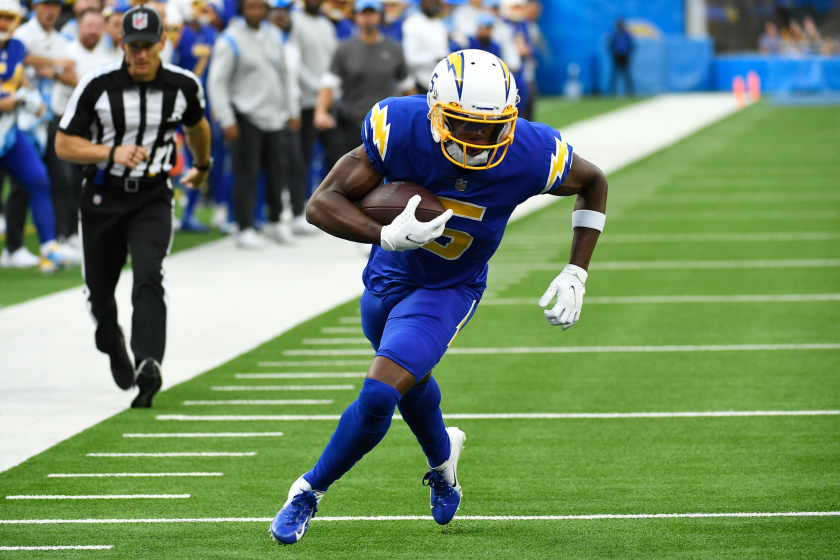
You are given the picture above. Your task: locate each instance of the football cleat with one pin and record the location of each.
(121, 368)
(291, 522)
(444, 491)
(148, 381)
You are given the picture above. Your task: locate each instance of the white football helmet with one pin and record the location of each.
(472, 101)
(10, 8)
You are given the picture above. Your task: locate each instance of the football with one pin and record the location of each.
(386, 202)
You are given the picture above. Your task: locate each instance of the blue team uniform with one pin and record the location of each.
(18, 156)
(415, 302)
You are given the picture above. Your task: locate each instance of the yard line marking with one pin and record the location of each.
(124, 474)
(516, 415)
(341, 330)
(258, 402)
(102, 497)
(177, 454)
(530, 240)
(427, 518)
(335, 341)
(729, 216)
(681, 299)
(360, 352)
(206, 434)
(284, 388)
(592, 349)
(311, 363)
(664, 265)
(61, 547)
(346, 320)
(299, 375)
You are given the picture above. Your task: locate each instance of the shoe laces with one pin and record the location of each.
(435, 481)
(300, 505)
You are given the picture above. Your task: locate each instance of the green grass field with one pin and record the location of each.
(759, 186)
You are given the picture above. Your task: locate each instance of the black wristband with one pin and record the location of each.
(111, 155)
(205, 167)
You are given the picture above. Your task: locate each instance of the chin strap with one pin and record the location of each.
(454, 149)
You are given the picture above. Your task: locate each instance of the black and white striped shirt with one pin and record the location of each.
(109, 108)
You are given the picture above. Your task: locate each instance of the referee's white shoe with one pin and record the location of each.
(21, 258)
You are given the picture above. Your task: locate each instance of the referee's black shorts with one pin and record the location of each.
(114, 222)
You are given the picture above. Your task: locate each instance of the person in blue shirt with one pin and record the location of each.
(193, 44)
(18, 156)
(483, 38)
(392, 19)
(621, 49)
(424, 280)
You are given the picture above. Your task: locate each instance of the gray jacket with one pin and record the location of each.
(249, 75)
(315, 38)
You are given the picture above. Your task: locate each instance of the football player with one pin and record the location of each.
(424, 279)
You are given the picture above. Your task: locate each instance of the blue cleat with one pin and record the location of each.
(291, 522)
(444, 491)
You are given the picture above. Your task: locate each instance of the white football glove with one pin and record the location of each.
(30, 99)
(569, 289)
(406, 233)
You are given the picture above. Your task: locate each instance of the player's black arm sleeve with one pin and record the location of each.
(590, 185)
(331, 207)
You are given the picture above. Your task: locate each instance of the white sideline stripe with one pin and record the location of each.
(321, 363)
(258, 402)
(206, 434)
(663, 265)
(530, 240)
(130, 474)
(680, 299)
(595, 349)
(335, 341)
(519, 415)
(427, 518)
(61, 547)
(103, 497)
(284, 388)
(299, 375)
(343, 330)
(350, 320)
(177, 454)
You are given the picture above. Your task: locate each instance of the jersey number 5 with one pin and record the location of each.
(461, 240)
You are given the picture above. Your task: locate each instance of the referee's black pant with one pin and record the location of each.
(113, 223)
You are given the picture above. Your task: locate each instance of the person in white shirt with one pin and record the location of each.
(70, 29)
(110, 43)
(66, 177)
(425, 41)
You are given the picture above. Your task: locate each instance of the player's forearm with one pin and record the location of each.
(592, 197)
(198, 140)
(331, 207)
(82, 151)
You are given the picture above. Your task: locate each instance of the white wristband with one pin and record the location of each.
(588, 219)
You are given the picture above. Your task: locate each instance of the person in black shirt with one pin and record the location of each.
(120, 122)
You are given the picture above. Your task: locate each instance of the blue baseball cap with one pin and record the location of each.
(362, 5)
(279, 3)
(491, 3)
(36, 2)
(485, 20)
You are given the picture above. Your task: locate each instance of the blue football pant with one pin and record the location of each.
(24, 165)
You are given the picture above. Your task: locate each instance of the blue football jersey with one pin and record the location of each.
(194, 49)
(397, 137)
(11, 75)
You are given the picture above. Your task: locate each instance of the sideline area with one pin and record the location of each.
(226, 301)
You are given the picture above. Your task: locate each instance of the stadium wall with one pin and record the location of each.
(779, 74)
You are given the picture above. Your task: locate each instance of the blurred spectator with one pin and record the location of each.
(340, 12)
(296, 166)
(392, 22)
(621, 49)
(367, 68)
(814, 42)
(316, 40)
(465, 19)
(514, 13)
(504, 35)
(794, 41)
(253, 98)
(483, 38)
(110, 43)
(425, 42)
(70, 30)
(66, 177)
(770, 42)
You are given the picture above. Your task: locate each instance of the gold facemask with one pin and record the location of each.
(439, 115)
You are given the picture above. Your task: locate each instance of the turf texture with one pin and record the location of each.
(755, 176)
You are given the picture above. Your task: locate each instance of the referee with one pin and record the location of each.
(120, 122)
